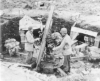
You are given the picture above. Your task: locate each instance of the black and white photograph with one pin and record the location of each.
(49, 40)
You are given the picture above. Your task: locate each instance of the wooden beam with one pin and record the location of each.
(22, 53)
(1, 38)
(61, 71)
(84, 31)
(24, 65)
(45, 35)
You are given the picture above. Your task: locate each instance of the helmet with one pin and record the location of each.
(63, 30)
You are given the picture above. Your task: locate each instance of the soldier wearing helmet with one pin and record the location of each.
(66, 49)
(29, 44)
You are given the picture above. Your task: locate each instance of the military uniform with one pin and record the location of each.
(66, 51)
(29, 45)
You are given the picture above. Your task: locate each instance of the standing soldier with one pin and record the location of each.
(66, 49)
(29, 44)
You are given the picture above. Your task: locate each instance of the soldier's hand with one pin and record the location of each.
(54, 49)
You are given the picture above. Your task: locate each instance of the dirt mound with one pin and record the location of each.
(83, 6)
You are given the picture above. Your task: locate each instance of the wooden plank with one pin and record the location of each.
(78, 57)
(73, 34)
(84, 31)
(45, 35)
(22, 53)
(24, 65)
(1, 38)
(61, 71)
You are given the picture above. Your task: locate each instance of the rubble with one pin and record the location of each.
(15, 73)
(80, 71)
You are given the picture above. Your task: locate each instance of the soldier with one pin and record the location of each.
(57, 37)
(29, 44)
(66, 49)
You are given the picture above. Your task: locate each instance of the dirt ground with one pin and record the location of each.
(14, 59)
(11, 69)
(82, 6)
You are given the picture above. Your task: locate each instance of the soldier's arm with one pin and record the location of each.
(60, 46)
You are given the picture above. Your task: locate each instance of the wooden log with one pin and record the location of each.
(45, 35)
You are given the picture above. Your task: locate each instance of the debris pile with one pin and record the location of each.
(12, 46)
(16, 73)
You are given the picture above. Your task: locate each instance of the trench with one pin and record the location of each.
(10, 29)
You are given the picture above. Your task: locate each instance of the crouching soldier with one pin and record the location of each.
(66, 49)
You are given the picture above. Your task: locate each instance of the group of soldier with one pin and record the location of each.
(61, 37)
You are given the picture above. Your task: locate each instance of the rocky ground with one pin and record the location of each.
(12, 69)
(82, 6)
